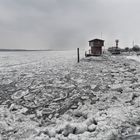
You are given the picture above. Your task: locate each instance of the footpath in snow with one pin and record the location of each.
(99, 99)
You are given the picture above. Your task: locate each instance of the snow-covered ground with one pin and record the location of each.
(134, 57)
(49, 96)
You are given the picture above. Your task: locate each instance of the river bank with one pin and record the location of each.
(134, 57)
(98, 99)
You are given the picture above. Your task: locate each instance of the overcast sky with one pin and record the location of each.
(68, 24)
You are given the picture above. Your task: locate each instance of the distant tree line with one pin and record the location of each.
(135, 48)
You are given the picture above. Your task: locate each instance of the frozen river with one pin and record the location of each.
(47, 95)
(13, 59)
(29, 64)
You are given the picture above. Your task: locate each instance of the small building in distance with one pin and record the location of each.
(96, 47)
(115, 50)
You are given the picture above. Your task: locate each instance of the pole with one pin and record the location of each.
(133, 43)
(78, 56)
(101, 35)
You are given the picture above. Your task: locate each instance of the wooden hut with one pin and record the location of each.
(96, 47)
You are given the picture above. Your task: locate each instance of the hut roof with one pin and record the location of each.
(93, 40)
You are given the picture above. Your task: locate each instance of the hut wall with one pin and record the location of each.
(96, 50)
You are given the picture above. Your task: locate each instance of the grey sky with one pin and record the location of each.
(67, 24)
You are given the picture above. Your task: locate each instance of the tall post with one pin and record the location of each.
(78, 56)
(133, 43)
(101, 35)
(117, 42)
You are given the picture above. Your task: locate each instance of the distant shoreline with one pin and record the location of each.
(20, 50)
(13, 50)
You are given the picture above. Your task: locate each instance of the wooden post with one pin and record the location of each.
(78, 56)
